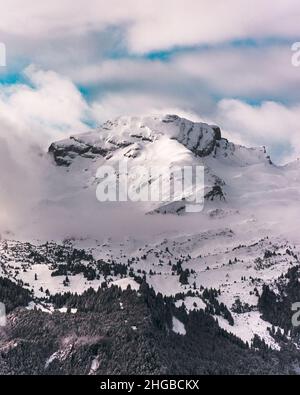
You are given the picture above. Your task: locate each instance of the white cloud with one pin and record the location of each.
(153, 24)
(263, 72)
(192, 22)
(115, 105)
(271, 124)
(48, 107)
(248, 72)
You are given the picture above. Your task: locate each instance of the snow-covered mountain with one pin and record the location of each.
(246, 237)
(165, 141)
(236, 177)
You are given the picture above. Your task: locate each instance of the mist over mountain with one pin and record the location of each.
(59, 188)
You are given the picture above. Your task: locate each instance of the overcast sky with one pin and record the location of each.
(73, 64)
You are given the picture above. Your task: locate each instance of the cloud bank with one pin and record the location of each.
(153, 25)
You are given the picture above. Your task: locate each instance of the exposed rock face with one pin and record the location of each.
(215, 193)
(217, 131)
(176, 207)
(63, 153)
(198, 137)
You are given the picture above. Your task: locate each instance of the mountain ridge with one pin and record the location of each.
(200, 138)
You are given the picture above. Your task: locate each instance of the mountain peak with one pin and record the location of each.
(199, 138)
